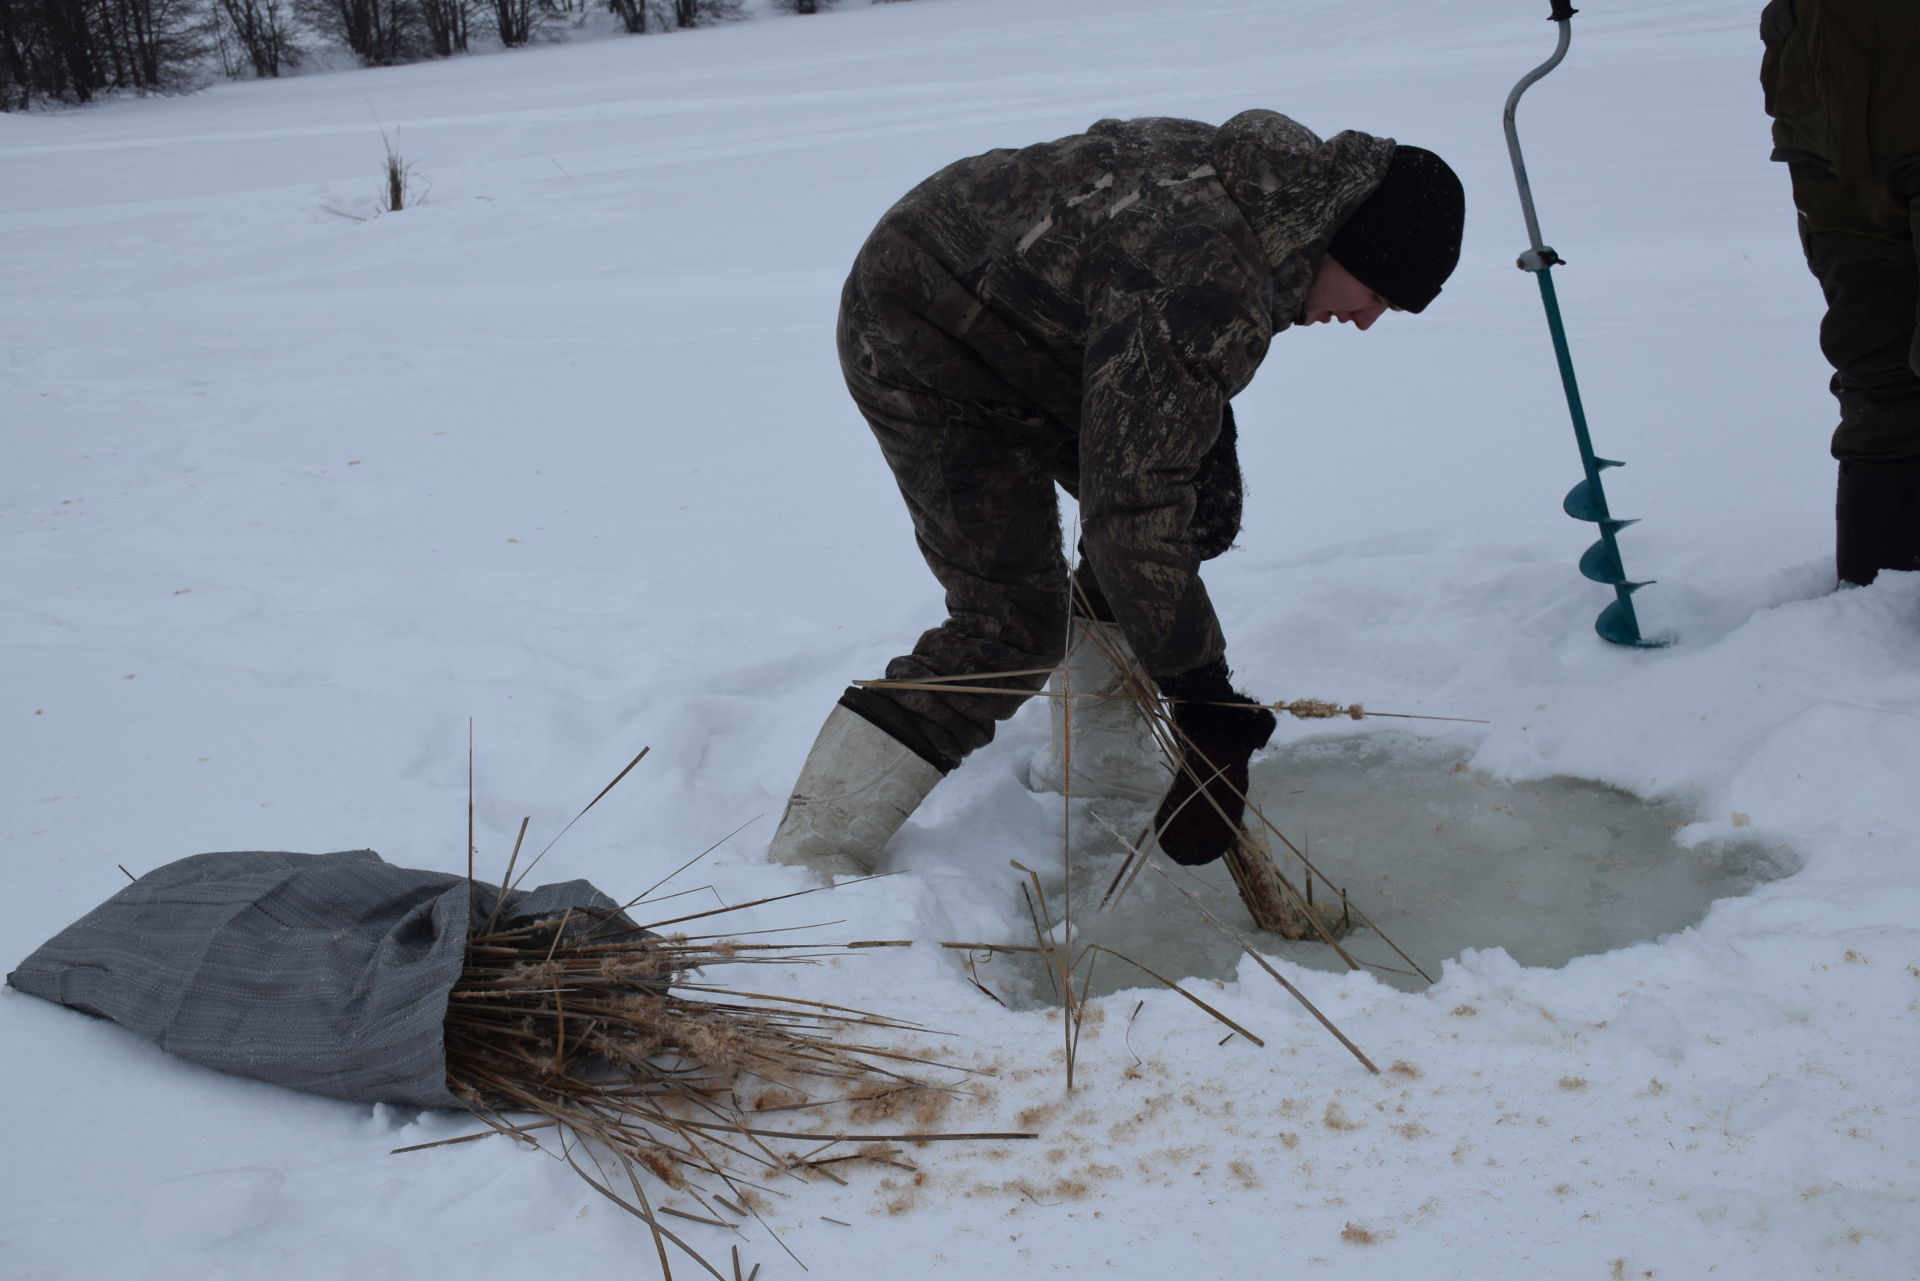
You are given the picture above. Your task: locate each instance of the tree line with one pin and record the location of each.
(72, 51)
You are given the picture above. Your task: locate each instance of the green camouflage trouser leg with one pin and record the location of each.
(979, 484)
(988, 523)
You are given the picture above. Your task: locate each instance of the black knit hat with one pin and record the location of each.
(1403, 241)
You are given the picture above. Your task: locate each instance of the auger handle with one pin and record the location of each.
(1538, 255)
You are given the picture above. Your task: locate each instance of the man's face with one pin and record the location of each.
(1336, 295)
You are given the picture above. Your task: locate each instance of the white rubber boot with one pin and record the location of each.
(857, 787)
(1115, 753)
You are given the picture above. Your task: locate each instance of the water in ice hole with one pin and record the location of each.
(1440, 858)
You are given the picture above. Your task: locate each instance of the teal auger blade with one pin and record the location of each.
(1602, 561)
(1619, 624)
(1587, 500)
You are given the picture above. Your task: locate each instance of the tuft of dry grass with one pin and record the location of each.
(402, 187)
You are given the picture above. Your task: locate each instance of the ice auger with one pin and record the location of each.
(1588, 499)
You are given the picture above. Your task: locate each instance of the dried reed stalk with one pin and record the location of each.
(1264, 890)
(1306, 709)
(1272, 900)
(600, 1029)
(1272, 973)
(1275, 903)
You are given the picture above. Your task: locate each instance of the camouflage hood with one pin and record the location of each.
(1295, 191)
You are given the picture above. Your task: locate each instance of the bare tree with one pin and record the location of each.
(264, 31)
(698, 13)
(513, 21)
(71, 50)
(448, 23)
(632, 14)
(381, 33)
(47, 50)
(642, 16)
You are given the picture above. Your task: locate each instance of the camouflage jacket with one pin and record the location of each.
(1107, 293)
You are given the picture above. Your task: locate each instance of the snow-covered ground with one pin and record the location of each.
(287, 498)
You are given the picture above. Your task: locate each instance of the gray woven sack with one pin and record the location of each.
(325, 972)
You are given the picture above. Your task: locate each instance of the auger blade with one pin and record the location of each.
(1587, 500)
(1619, 624)
(1601, 562)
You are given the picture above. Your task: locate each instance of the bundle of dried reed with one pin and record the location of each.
(611, 1037)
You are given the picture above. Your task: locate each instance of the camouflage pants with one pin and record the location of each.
(1861, 241)
(978, 479)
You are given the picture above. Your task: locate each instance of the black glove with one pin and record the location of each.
(1200, 818)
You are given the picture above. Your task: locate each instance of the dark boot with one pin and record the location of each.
(1876, 518)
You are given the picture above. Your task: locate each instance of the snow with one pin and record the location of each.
(291, 497)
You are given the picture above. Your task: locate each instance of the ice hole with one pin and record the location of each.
(1441, 859)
